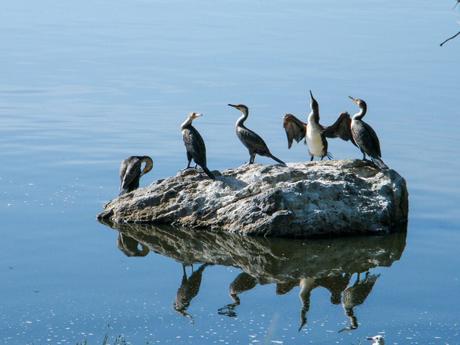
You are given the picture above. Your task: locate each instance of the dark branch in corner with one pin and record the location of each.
(450, 38)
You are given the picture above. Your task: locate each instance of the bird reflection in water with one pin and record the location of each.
(336, 284)
(131, 247)
(188, 289)
(243, 282)
(329, 264)
(356, 295)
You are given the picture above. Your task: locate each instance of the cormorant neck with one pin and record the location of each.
(148, 164)
(359, 115)
(313, 117)
(243, 117)
(187, 122)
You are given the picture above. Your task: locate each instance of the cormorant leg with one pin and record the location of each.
(364, 157)
(252, 158)
(322, 158)
(311, 159)
(196, 165)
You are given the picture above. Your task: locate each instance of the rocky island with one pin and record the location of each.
(338, 197)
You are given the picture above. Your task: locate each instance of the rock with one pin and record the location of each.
(268, 260)
(339, 197)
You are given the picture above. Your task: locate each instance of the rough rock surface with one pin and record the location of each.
(338, 197)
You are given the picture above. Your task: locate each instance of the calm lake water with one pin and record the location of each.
(85, 84)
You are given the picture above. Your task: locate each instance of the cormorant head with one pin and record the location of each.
(194, 115)
(313, 103)
(359, 102)
(148, 164)
(241, 107)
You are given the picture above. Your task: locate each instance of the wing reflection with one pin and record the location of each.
(308, 264)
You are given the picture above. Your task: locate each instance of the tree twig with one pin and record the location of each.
(450, 38)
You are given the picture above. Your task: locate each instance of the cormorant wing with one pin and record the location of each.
(253, 140)
(132, 171)
(194, 144)
(295, 129)
(123, 167)
(375, 143)
(341, 128)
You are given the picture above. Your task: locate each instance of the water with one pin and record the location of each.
(87, 84)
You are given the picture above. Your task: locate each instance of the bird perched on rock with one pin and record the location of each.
(194, 144)
(314, 133)
(253, 142)
(130, 172)
(364, 135)
(377, 340)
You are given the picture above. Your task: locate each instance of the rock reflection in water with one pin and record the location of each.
(309, 264)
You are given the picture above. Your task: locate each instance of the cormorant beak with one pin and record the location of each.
(312, 98)
(368, 338)
(198, 114)
(353, 99)
(233, 105)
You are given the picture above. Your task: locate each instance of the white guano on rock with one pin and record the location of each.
(339, 197)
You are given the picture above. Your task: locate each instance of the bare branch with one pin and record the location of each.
(450, 38)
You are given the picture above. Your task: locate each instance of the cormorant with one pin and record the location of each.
(314, 133)
(130, 172)
(194, 144)
(365, 137)
(253, 142)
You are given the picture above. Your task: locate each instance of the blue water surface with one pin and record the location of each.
(85, 84)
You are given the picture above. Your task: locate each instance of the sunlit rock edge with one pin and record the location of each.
(338, 197)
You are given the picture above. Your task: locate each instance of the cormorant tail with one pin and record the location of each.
(378, 161)
(276, 159)
(209, 173)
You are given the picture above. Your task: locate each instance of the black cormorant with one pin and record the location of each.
(194, 144)
(314, 133)
(253, 142)
(130, 172)
(364, 136)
